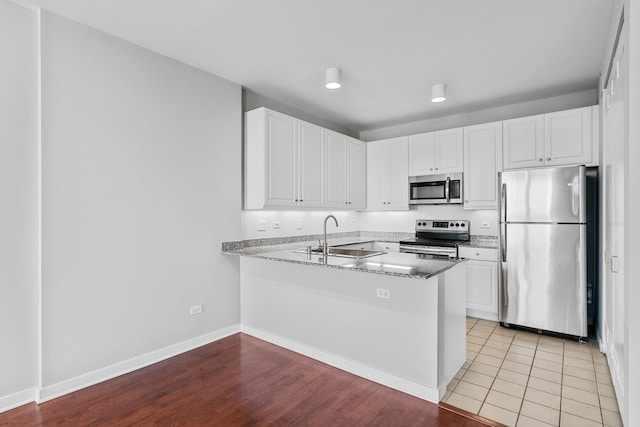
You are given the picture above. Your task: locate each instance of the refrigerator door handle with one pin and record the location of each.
(503, 203)
(503, 241)
(446, 190)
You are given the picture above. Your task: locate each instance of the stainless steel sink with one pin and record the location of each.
(343, 252)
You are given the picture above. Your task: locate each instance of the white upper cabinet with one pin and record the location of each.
(523, 142)
(357, 176)
(448, 152)
(421, 154)
(311, 170)
(482, 162)
(554, 139)
(345, 171)
(388, 174)
(436, 152)
(567, 137)
(292, 163)
(336, 146)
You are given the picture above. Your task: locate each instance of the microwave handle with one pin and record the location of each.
(446, 190)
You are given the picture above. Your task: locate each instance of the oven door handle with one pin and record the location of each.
(447, 194)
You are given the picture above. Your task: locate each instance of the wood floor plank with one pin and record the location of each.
(237, 381)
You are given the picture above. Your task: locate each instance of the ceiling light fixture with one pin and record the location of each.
(332, 78)
(437, 93)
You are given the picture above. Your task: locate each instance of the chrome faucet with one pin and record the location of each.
(324, 234)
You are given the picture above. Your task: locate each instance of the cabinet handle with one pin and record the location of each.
(296, 200)
(539, 159)
(466, 201)
(548, 159)
(301, 200)
(477, 253)
(436, 168)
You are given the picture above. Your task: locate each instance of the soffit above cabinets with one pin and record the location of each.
(489, 53)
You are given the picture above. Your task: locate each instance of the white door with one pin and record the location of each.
(310, 165)
(421, 154)
(336, 150)
(613, 161)
(523, 142)
(356, 193)
(482, 162)
(568, 137)
(448, 151)
(281, 160)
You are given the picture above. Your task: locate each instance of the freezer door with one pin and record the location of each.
(543, 277)
(544, 195)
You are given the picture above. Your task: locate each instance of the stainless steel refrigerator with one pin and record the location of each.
(542, 223)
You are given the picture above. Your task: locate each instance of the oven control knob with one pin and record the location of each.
(451, 224)
(457, 224)
(462, 225)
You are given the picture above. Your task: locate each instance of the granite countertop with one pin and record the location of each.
(391, 263)
(482, 242)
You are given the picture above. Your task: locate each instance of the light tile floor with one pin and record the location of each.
(523, 379)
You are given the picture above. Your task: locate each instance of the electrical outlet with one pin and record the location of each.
(484, 225)
(262, 225)
(299, 224)
(276, 224)
(195, 309)
(383, 293)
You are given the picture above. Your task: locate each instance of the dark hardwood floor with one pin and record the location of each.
(238, 381)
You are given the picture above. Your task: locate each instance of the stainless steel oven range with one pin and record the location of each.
(437, 237)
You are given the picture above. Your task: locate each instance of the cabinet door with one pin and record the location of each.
(356, 193)
(568, 137)
(281, 160)
(523, 142)
(448, 151)
(311, 169)
(398, 174)
(482, 162)
(421, 149)
(336, 150)
(482, 289)
(377, 170)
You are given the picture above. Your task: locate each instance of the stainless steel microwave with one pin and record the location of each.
(435, 189)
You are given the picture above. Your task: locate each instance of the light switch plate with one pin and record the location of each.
(262, 225)
(484, 225)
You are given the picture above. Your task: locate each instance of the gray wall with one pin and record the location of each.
(512, 111)
(141, 172)
(18, 200)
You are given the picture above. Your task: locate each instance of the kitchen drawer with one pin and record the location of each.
(480, 254)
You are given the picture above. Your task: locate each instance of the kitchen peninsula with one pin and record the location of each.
(397, 319)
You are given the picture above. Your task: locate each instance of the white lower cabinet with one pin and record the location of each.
(482, 282)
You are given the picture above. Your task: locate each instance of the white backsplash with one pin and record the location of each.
(397, 221)
(311, 223)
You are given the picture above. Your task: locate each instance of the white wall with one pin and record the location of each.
(511, 111)
(141, 165)
(19, 270)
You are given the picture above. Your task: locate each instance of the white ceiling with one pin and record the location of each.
(488, 52)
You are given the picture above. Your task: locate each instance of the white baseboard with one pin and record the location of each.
(103, 374)
(381, 377)
(18, 399)
(478, 314)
